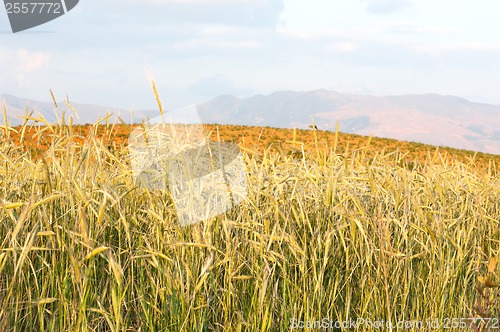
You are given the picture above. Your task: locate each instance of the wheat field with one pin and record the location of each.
(323, 236)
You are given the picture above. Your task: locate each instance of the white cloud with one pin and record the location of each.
(439, 49)
(22, 63)
(409, 28)
(387, 6)
(209, 2)
(345, 47)
(225, 30)
(205, 43)
(254, 13)
(213, 2)
(313, 34)
(31, 61)
(218, 85)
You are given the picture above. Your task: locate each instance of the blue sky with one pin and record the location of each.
(101, 51)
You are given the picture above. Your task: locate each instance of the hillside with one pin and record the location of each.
(255, 140)
(428, 119)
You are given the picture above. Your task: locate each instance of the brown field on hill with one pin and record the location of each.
(256, 140)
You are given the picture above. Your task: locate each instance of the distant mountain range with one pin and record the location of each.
(85, 113)
(430, 118)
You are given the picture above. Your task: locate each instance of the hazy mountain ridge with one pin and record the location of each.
(85, 113)
(430, 118)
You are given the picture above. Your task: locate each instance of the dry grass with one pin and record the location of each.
(336, 233)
